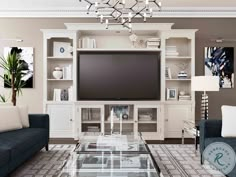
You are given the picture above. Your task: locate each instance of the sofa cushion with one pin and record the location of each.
(229, 141)
(4, 156)
(24, 117)
(19, 141)
(10, 118)
(228, 121)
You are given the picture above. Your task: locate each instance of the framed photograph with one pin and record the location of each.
(62, 49)
(219, 61)
(27, 58)
(172, 93)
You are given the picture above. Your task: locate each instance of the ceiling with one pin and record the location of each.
(74, 8)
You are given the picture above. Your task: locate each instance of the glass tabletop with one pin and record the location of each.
(111, 156)
(104, 165)
(115, 143)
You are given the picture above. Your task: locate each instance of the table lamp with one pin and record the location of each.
(205, 84)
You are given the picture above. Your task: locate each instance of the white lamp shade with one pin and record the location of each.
(205, 83)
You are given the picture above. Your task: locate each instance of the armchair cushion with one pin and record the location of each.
(228, 121)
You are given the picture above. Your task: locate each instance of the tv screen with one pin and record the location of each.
(119, 76)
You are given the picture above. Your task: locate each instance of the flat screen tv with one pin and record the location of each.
(119, 76)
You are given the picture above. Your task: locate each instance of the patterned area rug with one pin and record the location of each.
(173, 160)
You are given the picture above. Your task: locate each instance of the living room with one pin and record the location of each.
(149, 96)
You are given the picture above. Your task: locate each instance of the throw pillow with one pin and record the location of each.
(23, 111)
(10, 118)
(228, 121)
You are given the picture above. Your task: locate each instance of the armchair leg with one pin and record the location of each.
(201, 160)
(46, 147)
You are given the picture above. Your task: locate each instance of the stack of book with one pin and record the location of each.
(153, 43)
(171, 51)
(184, 97)
(87, 43)
(67, 72)
(93, 128)
(144, 117)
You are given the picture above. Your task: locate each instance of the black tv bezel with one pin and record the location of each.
(158, 53)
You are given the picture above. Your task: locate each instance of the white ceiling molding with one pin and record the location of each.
(173, 12)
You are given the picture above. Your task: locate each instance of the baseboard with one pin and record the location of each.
(62, 141)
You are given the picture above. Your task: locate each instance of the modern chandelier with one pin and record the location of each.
(121, 12)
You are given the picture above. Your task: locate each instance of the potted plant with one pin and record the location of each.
(13, 74)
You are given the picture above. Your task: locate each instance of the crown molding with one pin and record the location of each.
(173, 12)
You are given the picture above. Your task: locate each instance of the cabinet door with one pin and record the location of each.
(174, 116)
(60, 121)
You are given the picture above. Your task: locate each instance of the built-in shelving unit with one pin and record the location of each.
(155, 119)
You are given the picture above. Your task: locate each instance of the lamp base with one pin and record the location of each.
(204, 106)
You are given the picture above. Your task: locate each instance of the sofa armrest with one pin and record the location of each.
(39, 121)
(209, 129)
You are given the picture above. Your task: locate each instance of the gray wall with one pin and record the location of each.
(29, 30)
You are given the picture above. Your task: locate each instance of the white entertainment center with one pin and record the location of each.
(74, 118)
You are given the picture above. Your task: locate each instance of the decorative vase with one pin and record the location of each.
(57, 73)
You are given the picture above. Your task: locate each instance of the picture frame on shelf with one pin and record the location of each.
(62, 49)
(172, 93)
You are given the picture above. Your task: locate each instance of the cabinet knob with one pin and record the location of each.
(71, 120)
(166, 120)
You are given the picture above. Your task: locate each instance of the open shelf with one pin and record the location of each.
(118, 49)
(59, 58)
(178, 79)
(147, 122)
(60, 80)
(123, 121)
(178, 57)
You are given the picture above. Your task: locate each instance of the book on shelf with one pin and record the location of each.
(57, 95)
(93, 129)
(67, 72)
(184, 97)
(153, 43)
(154, 39)
(171, 51)
(87, 43)
(70, 93)
(157, 43)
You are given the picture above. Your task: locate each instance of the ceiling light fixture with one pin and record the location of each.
(120, 12)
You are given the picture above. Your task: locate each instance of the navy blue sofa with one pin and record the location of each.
(19, 145)
(210, 132)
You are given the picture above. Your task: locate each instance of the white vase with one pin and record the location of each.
(57, 74)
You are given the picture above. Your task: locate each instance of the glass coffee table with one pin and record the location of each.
(111, 156)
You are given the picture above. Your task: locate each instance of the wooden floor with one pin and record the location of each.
(166, 141)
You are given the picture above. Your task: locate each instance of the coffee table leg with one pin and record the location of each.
(182, 136)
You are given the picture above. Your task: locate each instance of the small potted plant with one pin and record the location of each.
(13, 74)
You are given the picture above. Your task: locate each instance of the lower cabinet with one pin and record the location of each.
(61, 121)
(174, 117)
